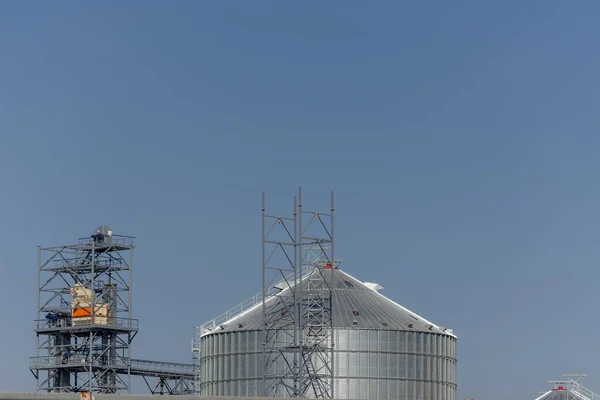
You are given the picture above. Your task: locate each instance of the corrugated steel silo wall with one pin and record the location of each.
(369, 364)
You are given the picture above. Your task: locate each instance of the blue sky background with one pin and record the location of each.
(461, 139)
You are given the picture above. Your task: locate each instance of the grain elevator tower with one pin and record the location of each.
(84, 327)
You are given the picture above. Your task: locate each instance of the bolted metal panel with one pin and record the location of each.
(382, 350)
(369, 364)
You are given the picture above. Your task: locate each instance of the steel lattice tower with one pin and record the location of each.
(84, 326)
(280, 327)
(298, 340)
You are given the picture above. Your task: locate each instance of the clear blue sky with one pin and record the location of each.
(461, 138)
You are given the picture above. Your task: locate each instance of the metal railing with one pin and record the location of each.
(582, 392)
(307, 269)
(573, 385)
(116, 240)
(75, 360)
(229, 314)
(138, 367)
(63, 323)
(197, 354)
(163, 368)
(196, 342)
(249, 303)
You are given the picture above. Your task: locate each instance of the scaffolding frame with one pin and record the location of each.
(196, 351)
(170, 386)
(298, 331)
(93, 355)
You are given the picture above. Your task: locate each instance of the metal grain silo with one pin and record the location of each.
(382, 350)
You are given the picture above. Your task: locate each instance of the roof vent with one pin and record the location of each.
(430, 327)
(355, 322)
(374, 286)
(223, 326)
(384, 324)
(240, 326)
(410, 325)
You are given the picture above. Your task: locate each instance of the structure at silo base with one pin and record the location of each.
(374, 347)
(569, 388)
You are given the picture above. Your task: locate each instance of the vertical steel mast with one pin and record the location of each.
(280, 278)
(316, 252)
(297, 303)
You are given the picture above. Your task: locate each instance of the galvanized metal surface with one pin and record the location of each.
(364, 346)
(63, 361)
(355, 306)
(296, 328)
(569, 388)
(369, 364)
(559, 395)
(382, 350)
(98, 347)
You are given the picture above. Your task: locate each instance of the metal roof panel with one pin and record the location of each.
(353, 301)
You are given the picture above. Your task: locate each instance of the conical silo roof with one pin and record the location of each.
(356, 305)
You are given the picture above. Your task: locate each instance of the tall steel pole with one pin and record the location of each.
(295, 298)
(37, 317)
(331, 298)
(93, 298)
(300, 295)
(129, 315)
(264, 307)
